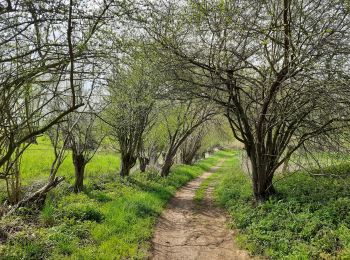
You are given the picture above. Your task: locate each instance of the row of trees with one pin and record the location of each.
(45, 50)
(67, 72)
(278, 69)
(157, 77)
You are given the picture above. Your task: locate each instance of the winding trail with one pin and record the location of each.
(188, 231)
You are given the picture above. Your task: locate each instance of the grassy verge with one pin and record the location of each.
(111, 220)
(201, 191)
(308, 219)
(37, 160)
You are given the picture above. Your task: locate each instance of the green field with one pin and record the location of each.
(37, 159)
(113, 218)
(308, 219)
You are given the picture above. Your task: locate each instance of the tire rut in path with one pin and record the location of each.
(186, 231)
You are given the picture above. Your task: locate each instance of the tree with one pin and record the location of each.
(38, 197)
(154, 143)
(41, 46)
(83, 130)
(132, 89)
(190, 148)
(84, 141)
(215, 133)
(266, 63)
(180, 120)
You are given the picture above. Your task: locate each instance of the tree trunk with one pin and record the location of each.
(37, 197)
(168, 162)
(188, 154)
(144, 161)
(187, 161)
(262, 175)
(263, 188)
(79, 167)
(127, 162)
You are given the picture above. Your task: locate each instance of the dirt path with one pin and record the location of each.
(186, 231)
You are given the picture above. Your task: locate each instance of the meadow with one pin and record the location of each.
(37, 159)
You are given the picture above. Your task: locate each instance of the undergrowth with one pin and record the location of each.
(309, 218)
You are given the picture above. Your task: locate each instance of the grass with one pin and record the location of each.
(113, 219)
(308, 219)
(37, 159)
(201, 191)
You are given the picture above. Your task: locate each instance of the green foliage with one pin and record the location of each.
(308, 219)
(113, 219)
(47, 214)
(25, 246)
(218, 133)
(80, 208)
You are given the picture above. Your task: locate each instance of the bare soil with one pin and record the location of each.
(188, 231)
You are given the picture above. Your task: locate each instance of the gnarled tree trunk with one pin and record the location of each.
(168, 162)
(263, 169)
(189, 150)
(144, 161)
(127, 162)
(79, 168)
(262, 186)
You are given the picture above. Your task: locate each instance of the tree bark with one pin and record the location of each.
(144, 161)
(262, 174)
(79, 167)
(127, 162)
(263, 187)
(168, 162)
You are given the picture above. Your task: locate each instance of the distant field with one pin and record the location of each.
(37, 160)
(36, 163)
